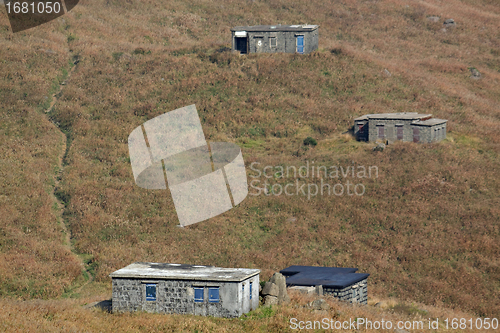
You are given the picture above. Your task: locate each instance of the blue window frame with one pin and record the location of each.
(300, 44)
(250, 290)
(150, 292)
(198, 295)
(213, 295)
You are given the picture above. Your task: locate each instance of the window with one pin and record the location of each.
(198, 295)
(150, 292)
(381, 132)
(400, 132)
(213, 295)
(416, 134)
(272, 42)
(250, 290)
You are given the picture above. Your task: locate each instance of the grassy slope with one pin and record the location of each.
(34, 262)
(426, 229)
(70, 316)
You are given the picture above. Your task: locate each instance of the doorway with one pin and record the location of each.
(300, 44)
(241, 44)
(416, 134)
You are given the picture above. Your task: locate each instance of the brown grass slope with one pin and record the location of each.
(426, 229)
(69, 316)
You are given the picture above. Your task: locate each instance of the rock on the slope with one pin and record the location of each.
(270, 300)
(319, 304)
(270, 289)
(379, 147)
(449, 23)
(475, 74)
(280, 281)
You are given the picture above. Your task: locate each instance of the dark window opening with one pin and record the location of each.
(250, 290)
(150, 292)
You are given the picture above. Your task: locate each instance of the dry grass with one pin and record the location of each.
(75, 316)
(426, 230)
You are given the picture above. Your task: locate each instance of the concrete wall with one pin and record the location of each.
(433, 133)
(245, 302)
(177, 296)
(427, 134)
(357, 293)
(285, 41)
(390, 129)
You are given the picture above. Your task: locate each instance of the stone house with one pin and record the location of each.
(342, 283)
(185, 289)
(301, 39)
(406, 126)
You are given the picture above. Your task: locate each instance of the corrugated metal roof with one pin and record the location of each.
(266, 28)
(333, 277)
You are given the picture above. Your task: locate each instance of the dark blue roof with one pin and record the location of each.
(332, 277)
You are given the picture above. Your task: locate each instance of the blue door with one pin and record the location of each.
(300, 44)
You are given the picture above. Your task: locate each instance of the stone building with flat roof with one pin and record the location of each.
(185, 289)
(340, 282)
(297, 38)
(406, 126)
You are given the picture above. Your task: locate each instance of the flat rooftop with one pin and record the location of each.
(151, 270)
(430, 122)
(262, 28)
(332, 277)
(395, 116)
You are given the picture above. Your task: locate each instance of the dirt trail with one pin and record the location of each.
(57, 179)
(57, 95)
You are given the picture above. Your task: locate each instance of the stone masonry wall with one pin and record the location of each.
(173, 296)
(390, 129)
(357, 293)
(427, 134)
(285, 41)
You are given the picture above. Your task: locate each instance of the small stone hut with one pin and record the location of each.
(406, 126)
(185, 289)
(301, 39)
(343, 283)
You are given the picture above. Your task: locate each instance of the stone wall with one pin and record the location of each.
(357, 293)
(433, 133)
(172, 296)
(390, 129)
(285, 41)
(427, 134)
(177, 296)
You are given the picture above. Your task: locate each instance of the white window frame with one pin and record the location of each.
(275, 42)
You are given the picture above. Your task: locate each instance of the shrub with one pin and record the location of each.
(310, 141)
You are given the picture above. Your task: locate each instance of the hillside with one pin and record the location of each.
(71, 91)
